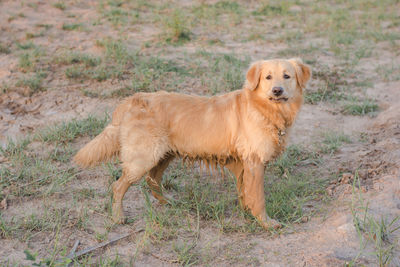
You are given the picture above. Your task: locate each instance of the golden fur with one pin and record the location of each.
(241, 130)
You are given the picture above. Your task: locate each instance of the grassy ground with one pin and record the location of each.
(107, 50)
(38, 167)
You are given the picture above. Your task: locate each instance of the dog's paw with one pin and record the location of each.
(119, 220)
(271, 224)
(118, 214)
(161, 199)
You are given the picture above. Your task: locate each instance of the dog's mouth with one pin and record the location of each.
(278, 100)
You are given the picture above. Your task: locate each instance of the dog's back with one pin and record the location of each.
(195, 126)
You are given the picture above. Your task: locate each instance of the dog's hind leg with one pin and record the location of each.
(119, 188)
(139, 155)
(154, 178)
(236, 167)
(132, 173)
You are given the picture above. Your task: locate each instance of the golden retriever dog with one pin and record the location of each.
(242, 130)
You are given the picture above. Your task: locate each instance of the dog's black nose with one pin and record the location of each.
(277, 91)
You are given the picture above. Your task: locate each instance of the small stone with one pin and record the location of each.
(364, 189)
(348, 189)
(346, 178)
(3, 204)
(363, 174)
(346, 228)
(330, 190)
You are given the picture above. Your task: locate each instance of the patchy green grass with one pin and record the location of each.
(361, 107)
(272, 9)
(121, 14)
(228, 6)
(30, 171)
(44, 26)
(220, 72)
(33, 223)
(51, 219)
(15, 16)
(176, 28)
(30, 174)
(29, 60)
(4, 49)
(147, 73)
(60, 5)
(25, 62)
(26, 45)
(291, 37)
(76, 72)
(4, 88)
(298, 51)
(331, 86)
(216, 202)
(35, 260)
(67, 131)
(332, 141)
(118, 16)
(76, 58)
(39, 167)
(291, 183)
(167, 56)
(31, 35)
(72, 26)
(33, 82)
(197, 201)
(380, 232)
(221, 13)
(215, 72)
(389, 72)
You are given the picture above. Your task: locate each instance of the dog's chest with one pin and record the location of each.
(261, 143)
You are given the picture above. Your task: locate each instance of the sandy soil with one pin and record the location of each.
(327, 239)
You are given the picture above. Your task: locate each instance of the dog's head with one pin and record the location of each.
(278, 80)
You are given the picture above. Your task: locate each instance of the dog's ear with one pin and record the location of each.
(303, 71)
(253, 76)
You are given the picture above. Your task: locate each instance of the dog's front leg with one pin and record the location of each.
(254, 198)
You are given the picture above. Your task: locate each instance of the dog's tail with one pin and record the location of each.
(103, 147)
(106, 145)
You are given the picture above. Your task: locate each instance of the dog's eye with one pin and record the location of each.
(285, 76)
(269, 77)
